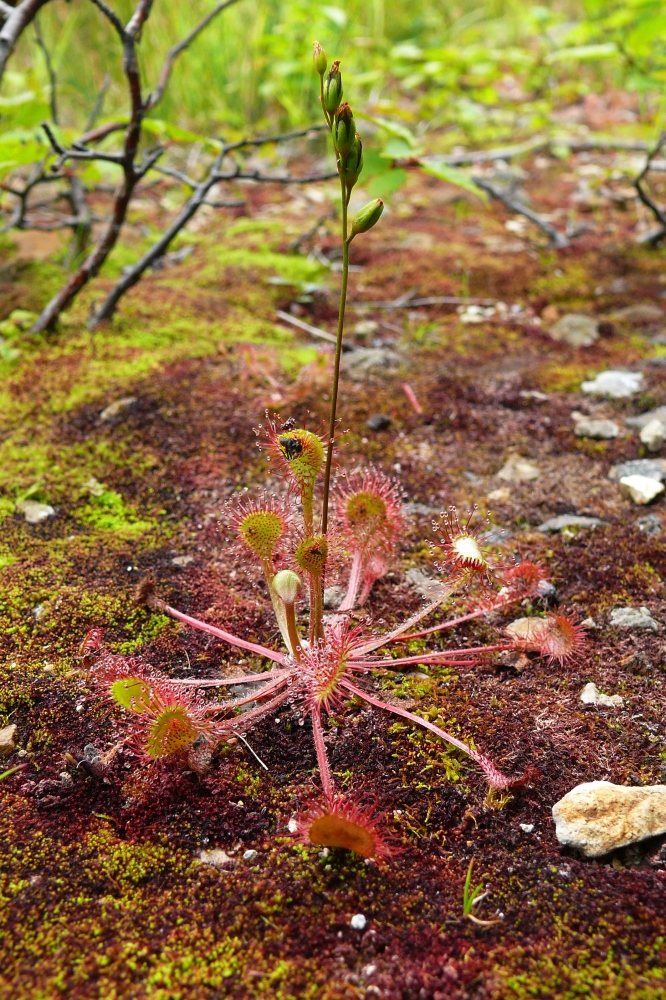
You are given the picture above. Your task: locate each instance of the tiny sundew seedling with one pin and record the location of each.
(330, 662)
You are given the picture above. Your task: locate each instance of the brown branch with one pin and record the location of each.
(655, 236)
(14, 25)
(175, 51)
(49, 69)
(556, 238)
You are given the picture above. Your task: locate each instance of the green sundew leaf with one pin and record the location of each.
(453, 176)
(583, 53)
(388, 183)
(172, 730)
(133, 693)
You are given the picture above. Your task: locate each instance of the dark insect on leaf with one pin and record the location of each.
(291, 447)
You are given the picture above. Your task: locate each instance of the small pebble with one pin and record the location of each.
(358, 922)
(641, 489)
(380, 422)
(598, 430)
(639, 618)
(249, 855)
(653, 434)
(615, 384)
(650, 525)
(526, 827)
(591, 695)
(34, 512)
(517, 469)
(117, 408)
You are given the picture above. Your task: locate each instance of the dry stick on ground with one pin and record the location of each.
(655, 235)
(126, 160)
(200, 190)
(556, 238)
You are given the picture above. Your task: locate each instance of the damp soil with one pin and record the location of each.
(103, 891)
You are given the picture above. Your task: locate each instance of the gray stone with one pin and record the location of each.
(614, 383)
(599, 430)
(182, 560)
(517, 469)
(249, 855)
(633, 618)
(640, 314)
(7, 744)
(652, 468)
(216, 857)
(364, 361)
(380, 422)
(591, 695)
(426, 585)
(117, 408)
(597, 817)
(642, 419)
(34, 512)
(651, 525)
(570, 521)
(333, 597)
(421, 509)
(653, 434)
(641, 489)
(575, 329)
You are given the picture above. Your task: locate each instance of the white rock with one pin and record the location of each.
(653, 434)
(612, 383)
(633, 618)
(563, 521)
(652, 468)
(527, 629)
(597, 816)
(34, 512)
(182, 560)
(526, 827)
(365, 360)
(644, 418)
(7, 744)
(641, 489)
(427, 586)
(216, 857)
(591, 695)
(575, 329)
(517, 469)
(599, 430)
(358, 922)
(117, 408)
(249, 855)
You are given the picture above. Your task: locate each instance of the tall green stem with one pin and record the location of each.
(338, 355)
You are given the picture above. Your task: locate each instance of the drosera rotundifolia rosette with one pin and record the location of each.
(325, 666)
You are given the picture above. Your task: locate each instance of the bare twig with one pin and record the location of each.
(297, 243)
(656, 235)
(50, 70)
(433, 300)
(556, 238)
(99, 103)
(534, 145)
(175, 51)
(15, 23)
(300, 325)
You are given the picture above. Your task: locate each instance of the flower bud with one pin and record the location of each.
(287, 585)
(319, 57)
(344, 130)
(367, 217)
(354, 164)
(333, 88)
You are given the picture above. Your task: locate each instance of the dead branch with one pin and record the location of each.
(656, 235)
(175, 51)
(17, 20)
(50, 71)
(556, 238)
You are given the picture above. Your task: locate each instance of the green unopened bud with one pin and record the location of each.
(333, 88)
(287, 585)
(311, 554)
(367, 217)
(319, 57)
(354, 164)
(344, 130)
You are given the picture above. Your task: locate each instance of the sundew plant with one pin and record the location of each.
(322, 668)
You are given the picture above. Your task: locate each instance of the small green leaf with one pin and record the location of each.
(583, 53)
(453, 176)
(133, 693)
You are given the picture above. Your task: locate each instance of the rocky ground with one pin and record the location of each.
(118, 451)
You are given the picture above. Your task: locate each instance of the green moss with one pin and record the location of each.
(109, 512)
